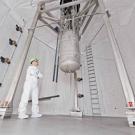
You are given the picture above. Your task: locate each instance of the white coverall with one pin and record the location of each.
(30, 89)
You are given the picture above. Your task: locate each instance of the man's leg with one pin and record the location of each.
(24, 101)
(35, 106)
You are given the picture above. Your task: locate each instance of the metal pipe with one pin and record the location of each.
(41, 19)
(85, 14)
(90, 18)
(127, 88)
(51, 15)
(76, 108)
(89, 5)
(57, 59)
(85, 6)
(18, 72)
(51, 19)
(55, 7)
(46, 98)
(57, 73)
(49, 1)
(56, 53)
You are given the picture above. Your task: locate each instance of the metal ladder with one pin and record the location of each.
(95, 103)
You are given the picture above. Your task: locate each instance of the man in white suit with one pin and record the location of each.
(30, 89)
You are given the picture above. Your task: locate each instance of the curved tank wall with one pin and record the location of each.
(69, 52)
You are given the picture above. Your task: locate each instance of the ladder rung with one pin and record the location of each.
(95, 98)
(96, 93)
(89, 49)
(90, 67)
(96, 108)
(88, 60)
(92, 77)
(90, 57)
(93, 89)
(93, 93)
(93, 81)
(91, 73)
(96, 114)
(93, 85)
(90, 63)
(90, 54)
(91, 70)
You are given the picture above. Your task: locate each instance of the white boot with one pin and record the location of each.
(38, 115)
(23, 116)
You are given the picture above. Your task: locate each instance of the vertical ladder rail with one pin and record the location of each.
(95, 103)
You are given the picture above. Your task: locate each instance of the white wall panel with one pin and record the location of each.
(111, 95)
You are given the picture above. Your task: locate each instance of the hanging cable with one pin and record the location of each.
(98, 31)
(43, 42)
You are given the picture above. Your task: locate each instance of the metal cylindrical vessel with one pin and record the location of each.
(69, 52)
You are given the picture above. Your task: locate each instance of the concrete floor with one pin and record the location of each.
(61, 125)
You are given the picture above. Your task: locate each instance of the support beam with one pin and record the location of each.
(50, 15)
(90, 18)
(85, 13)
(51, 19)
(49, 1)
(127, 88)
(76, 107)
(76, 110)
(56, 7)
(87, 7)
(19, 69)
(45, 22)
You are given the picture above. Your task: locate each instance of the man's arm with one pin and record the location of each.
(40, 75)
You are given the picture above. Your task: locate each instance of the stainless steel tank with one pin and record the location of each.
(69, 52)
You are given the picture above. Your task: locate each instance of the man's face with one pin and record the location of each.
(35, 63)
